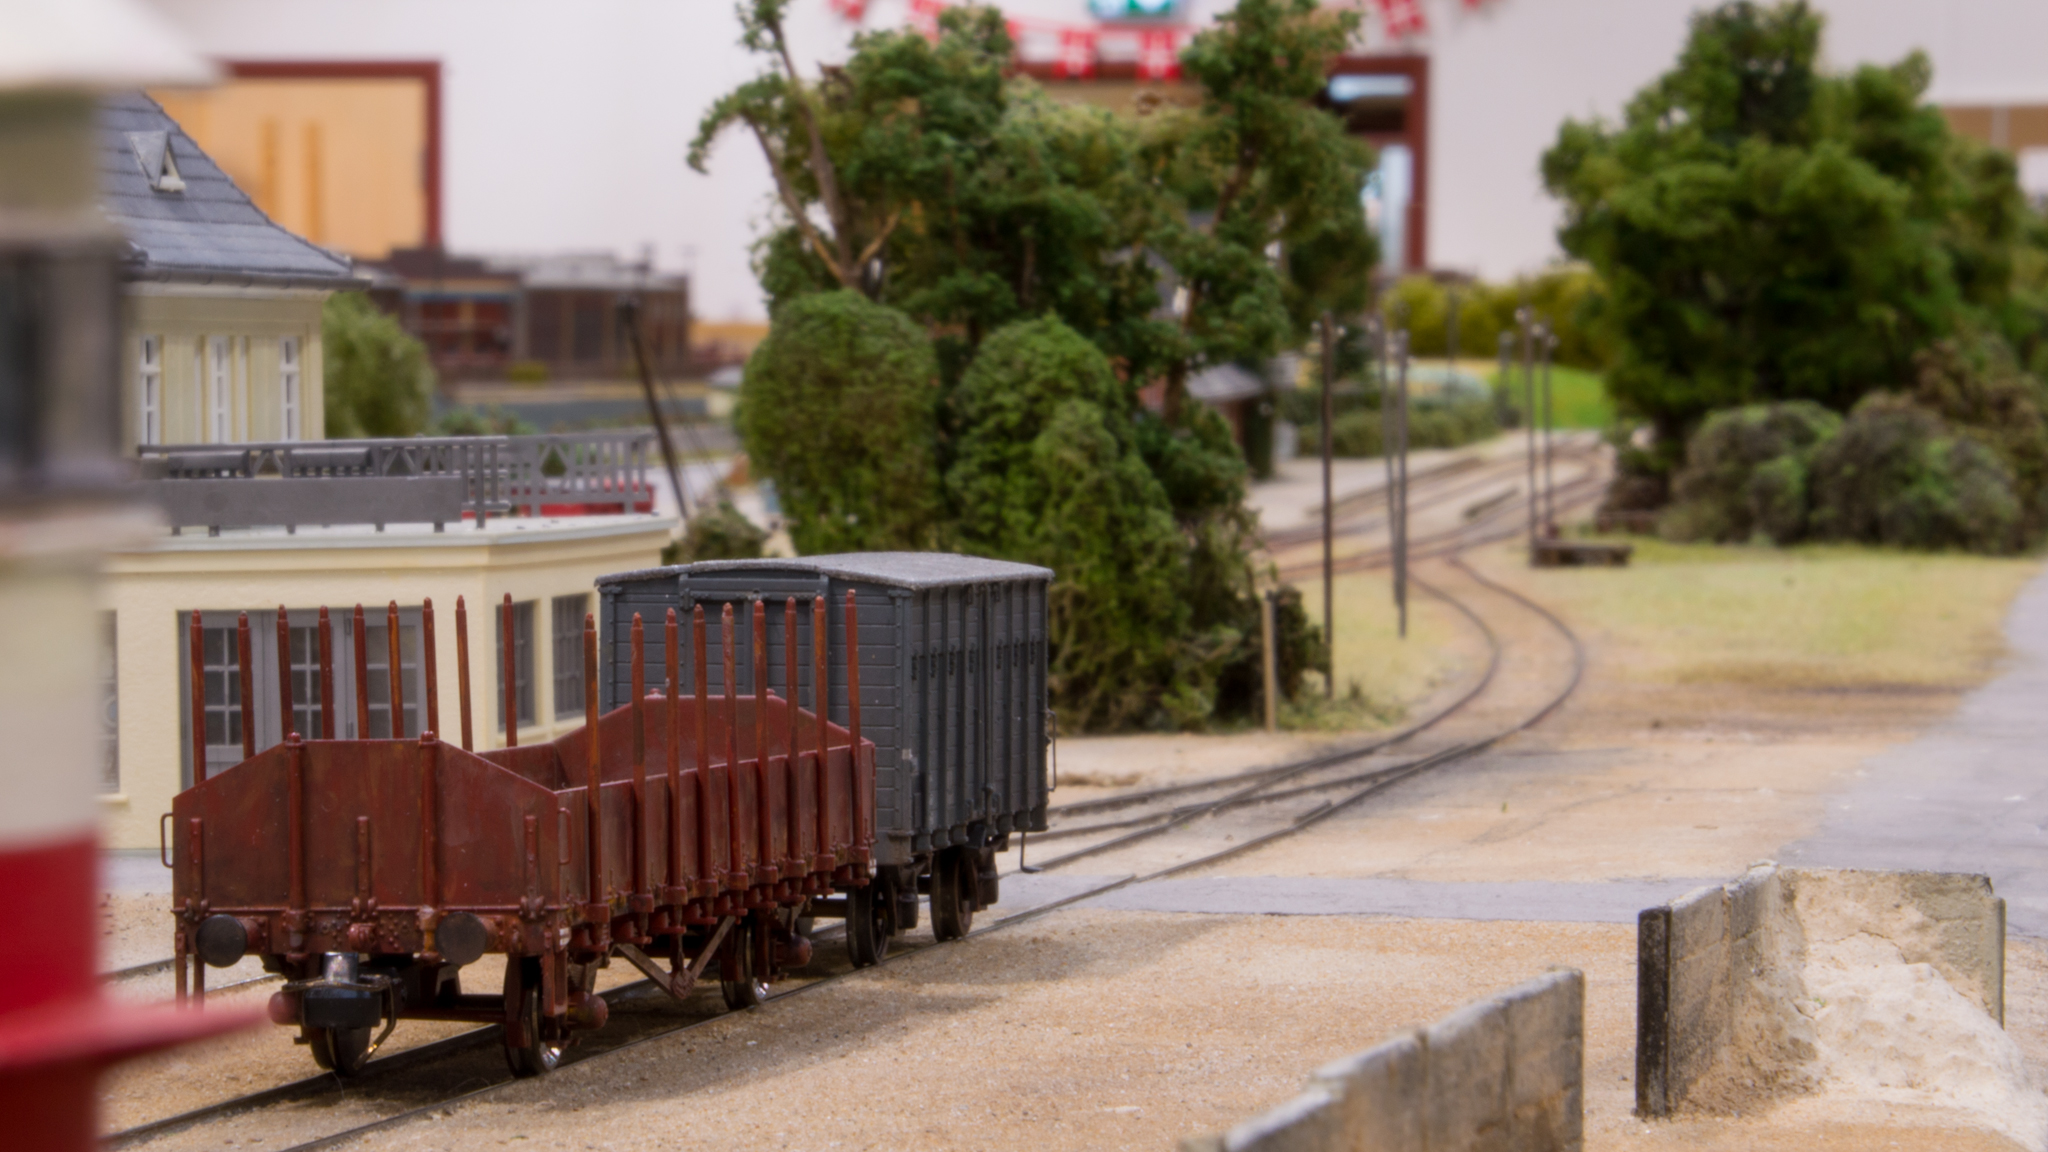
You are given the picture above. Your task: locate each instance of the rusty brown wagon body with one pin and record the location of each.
(370, 872)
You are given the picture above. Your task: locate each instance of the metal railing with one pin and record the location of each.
(501, 475)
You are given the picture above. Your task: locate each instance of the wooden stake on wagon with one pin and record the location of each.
(462, 669)
(248, 680)
(394, 677)
(429, 668)
(362, 653)
(675, 760)
(286, 716)
(511, 687)
(326, 676)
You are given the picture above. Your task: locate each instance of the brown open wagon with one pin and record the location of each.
(370, 872)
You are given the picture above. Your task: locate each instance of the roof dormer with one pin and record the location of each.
(159, 166)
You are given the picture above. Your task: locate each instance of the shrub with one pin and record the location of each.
(837, 406)
(378, 379)
(1745, 472)
(721, 533)
(1977, 385)
(491, 420)
(1896, 474)
(1568, 298)
(1446, 425)
(1047, 470)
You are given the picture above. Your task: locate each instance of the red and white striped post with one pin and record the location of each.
(57, 1033)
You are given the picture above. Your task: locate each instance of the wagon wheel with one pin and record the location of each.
(750, 984)
(528, 1049)
(870, 921)
(342, 1051)
(953, 881)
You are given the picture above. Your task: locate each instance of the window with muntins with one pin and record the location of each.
(220, 391)
(150, 389)
(288, 386)
(110, 708)
(522, 664)
(568, 636)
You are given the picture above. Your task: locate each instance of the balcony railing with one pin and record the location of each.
(412, 481)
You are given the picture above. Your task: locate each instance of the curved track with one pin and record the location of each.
(1253, 787)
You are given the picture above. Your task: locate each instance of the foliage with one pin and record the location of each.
(1896, 474)
(1768, 231)
(1047, 471)
(1568, 298)
(719, 533)
(1444, 425)
(838, 407)
(378, 379)
(490, 420)
(928, 178)
(1976, 386)
(1746, 472)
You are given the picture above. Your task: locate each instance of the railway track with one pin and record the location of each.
(1332, 776)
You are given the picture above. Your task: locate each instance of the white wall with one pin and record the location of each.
(565, 124)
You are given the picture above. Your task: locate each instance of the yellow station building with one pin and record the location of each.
(222, 397)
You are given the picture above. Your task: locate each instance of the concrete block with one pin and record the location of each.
(1752, 901)
(1310, 1122)
(1379, 1092)
(1699, 921)
(1546, 1062)
(1466, 1108)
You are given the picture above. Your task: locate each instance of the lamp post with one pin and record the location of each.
(62, 505)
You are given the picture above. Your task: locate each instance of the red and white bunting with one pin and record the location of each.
(1405, 18)
(1068, 51)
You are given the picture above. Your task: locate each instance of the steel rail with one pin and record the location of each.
(1250, 793)
(328, 1084)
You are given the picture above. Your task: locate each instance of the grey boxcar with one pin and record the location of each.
(952, 673)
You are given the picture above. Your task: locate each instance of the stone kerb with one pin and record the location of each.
(1719, 970)
(1504, 1074)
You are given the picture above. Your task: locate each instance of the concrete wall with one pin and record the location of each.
(1718, 973)
(1505, 1074)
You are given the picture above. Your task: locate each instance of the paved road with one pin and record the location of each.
(1969, 796)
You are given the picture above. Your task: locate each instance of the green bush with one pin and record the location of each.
(379, 381)
(838, 407)
(1047, 470)
(1896, 474)
(1446, 425)
(1766, 228)
(1978, 386)
(721, 533)
(491, 420)
(1567, 298)
(1745, 473)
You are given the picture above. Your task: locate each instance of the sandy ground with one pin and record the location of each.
(1055, 1035)
(1097, 1029)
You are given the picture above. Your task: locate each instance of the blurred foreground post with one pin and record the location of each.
(61, 506)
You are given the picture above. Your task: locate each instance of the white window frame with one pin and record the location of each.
(288, 387)
(220, 389)
(150, 390)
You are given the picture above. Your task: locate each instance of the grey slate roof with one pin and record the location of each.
(902, 569)
(209, 233)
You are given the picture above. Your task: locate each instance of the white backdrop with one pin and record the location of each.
(565, 124)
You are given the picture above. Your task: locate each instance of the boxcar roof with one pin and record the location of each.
(902, 569)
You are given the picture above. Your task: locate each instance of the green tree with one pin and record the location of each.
(837, 407)
(1047, 471)
(1766, 231)
(1254, 169)
(378, 379)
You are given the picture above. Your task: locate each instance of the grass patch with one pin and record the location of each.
(1810, 618)
(1578, 398)
(1380, 677)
